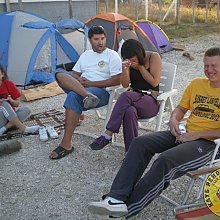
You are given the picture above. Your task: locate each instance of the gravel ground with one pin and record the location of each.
(34, 187)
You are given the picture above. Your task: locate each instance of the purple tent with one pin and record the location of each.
(156, 35)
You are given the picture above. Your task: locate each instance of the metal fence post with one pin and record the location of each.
(20, 6)
(193, 12)
(8, 7)
(70, 8)
(206, 10)
(160, 11)
(178, 12)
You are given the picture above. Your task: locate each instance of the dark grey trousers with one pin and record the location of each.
(7, 113)
(174, 161)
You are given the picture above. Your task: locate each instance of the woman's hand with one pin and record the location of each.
(125, 76)
(10, 99)
(126, 64)
(14, 102)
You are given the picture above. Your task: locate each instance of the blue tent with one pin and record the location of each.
(31, 47)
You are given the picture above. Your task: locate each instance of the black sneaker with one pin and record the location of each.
(99, 143)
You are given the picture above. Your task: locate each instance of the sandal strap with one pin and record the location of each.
(61, 152)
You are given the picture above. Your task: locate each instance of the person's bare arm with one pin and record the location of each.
(176, 116)
(113, 81)
(155, 65)
(191, 136)
(14, 102)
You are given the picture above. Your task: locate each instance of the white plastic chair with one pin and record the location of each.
(166, 92)
(112, 90)
(165, 98)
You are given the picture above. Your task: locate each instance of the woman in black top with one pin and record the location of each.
(141, 74)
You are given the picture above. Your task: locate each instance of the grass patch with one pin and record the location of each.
(185, 29)
(188, 30)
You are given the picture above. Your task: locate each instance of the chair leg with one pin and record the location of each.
(160, 116)
(169, 200)
(188, 192)
(201, 187)
(99, 115)
(114, 143)
(184, 199)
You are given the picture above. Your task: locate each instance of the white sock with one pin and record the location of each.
(3, 130)
(31, 129)
(107, 136)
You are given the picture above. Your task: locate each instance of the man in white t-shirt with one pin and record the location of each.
(86, 85)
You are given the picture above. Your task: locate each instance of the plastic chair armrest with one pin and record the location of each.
(217, 141)
(166, 95)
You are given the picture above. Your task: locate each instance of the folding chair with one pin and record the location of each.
(194, 212)
(200, 174)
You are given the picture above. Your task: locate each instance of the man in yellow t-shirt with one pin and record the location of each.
(179, 152)
(203, 101)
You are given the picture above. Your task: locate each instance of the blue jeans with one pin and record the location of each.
(75, 102)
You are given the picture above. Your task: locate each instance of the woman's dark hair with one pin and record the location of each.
(131, 48)
(5, 76)
(96, 29)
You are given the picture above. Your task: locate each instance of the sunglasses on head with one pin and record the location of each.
(97, 27)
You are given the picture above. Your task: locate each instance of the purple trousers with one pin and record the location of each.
(129, 107)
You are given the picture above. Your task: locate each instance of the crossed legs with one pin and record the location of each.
(75, 105)
(69, 83)
(10, 118)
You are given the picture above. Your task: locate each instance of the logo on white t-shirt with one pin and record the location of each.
(101, 64)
